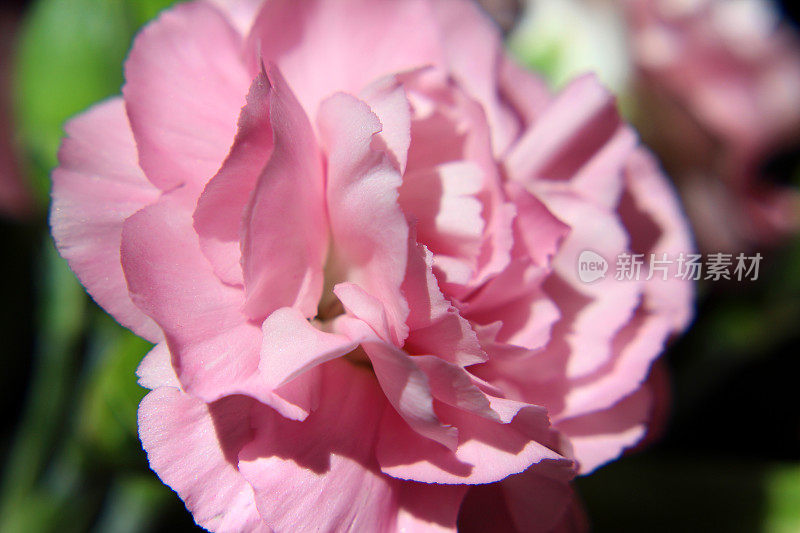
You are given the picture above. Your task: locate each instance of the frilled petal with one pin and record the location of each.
(601, 436)
(185, 84)
(442, 201)
(488, 450)
(537, 229)
(369, 231)
(402, 380)
(156, 370)
(516, 304)
(652, 214)
(215, 350)
(436, 326)
(474, 53)
(452, 189)
(285, 235)
(579, 136)
(387, 99)
(323, 467)
(97, 185)
(592, 313)
(220, 209)
(292, 345)
(193, 447)
(407, 389)
(324, 47)
(526, 93)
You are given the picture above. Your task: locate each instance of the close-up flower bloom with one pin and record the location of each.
(351, 229)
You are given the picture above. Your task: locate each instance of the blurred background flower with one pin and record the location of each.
(712, 86)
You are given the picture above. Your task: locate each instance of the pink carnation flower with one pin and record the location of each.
(721, 80)
(352, 229)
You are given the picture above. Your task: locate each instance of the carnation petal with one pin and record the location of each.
(97, 185)
(292, 345)
(601, 436)
(406, 386)
(436, 326)
(387, 99)
(192, 446)
(370, 233)
(577, 124)
(323, 467)
(324, 47)
(183, 128)
(474, 53)
(215, 349)
(156, 370)
(220, 209)
(592, 313)
(487, 450)
(285, 236)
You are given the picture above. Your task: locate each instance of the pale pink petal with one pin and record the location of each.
(443, 203)
(487, 450)
(387, 99)
(498, 212)
(536, 227)
(436, 327)
(602, 436)
(573, 129)
(369, 314)
(453, 185)
(220, 209)
(652, 214)
(97, 185)
(324, 47)
(517, 302)
(525, 92)
(406, 387)
(292, 345)
(215, 350)
(592, 313)
(242, 13)
(285, 236)
(635, 347)
(370, 233)
(474, 54)
(454, 386)
(185, 84)
(323, 468)
(193, 446)
(156, 370)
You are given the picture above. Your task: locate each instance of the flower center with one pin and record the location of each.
(329, 306)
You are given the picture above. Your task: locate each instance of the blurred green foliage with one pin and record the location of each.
(70, 56)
